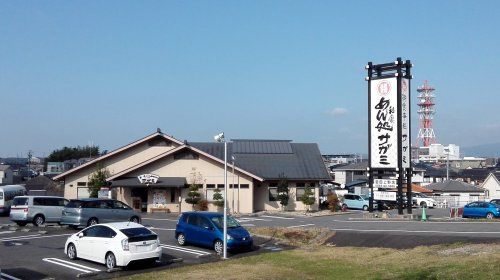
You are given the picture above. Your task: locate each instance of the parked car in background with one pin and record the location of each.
(7, 194)
(423, 201)
(206, 229)
(91, 211)
(496, 201)
(37, 209)
(354, 201)
(481, 209)
(114, 244)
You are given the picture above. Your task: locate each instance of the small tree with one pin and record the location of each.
(97, 180)
(333, 201)
(202, 205)
(218, 198)
(194, 194)
(308, 197)
(283, 191)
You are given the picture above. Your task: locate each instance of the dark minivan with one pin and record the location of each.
(91, 211)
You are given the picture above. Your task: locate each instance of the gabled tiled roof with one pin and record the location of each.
(453, 186)
(300, 161)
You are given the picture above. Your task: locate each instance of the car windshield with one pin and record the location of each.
(231, 222)
(129, 232)
(20, 201)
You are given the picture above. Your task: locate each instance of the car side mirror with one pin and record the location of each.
(80, 235)
(209, 228)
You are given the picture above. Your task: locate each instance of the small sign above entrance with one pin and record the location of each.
(385, 183)
(148, 178)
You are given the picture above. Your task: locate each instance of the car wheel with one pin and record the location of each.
(181, 239)
(135, 220)
(92, 221)
(218, 247)
(110, 260)
(38, 220)
(423, 204)
(71, 251)
(21, 224)
(365, 207)
(489, 216)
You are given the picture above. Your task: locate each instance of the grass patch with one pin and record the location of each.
(457, 261)
(294, 236)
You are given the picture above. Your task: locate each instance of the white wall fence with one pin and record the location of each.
(445, 201)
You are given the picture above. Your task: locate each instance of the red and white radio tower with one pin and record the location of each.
(426, 114)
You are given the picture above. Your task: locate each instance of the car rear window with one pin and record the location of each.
(74, 204)
(139, 234)
(20, 201)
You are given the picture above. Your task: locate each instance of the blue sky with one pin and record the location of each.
(114, 71)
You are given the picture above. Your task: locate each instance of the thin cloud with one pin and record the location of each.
(336, 112)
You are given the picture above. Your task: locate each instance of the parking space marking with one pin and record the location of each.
(248, 225)
(71, 265)
(6, 232)
(156, 219)
(29, 237)
(7, 276)
(155, 228)
(415, 231)
(276, 217)
(185, 250)
(307, 225)
(252, 219)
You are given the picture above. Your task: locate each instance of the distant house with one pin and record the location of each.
(6, 175)
(55, 167)
(456, 193)
(43, 185)
(356, 172)
(492, 185)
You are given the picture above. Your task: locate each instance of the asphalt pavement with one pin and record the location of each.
(38, 253)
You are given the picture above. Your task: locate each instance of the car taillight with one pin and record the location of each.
(125, 246)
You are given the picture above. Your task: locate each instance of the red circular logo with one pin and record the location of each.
(384, 88)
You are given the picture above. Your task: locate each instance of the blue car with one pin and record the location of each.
(206, 229)
(481, 209)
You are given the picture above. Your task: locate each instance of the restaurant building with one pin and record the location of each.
(154, 173)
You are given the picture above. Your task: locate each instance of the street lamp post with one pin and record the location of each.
(220, 138)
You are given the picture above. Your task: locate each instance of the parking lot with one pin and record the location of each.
(38, 253)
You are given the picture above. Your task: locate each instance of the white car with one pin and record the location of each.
(424, 201)
(114, 244)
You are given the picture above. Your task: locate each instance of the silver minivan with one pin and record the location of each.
(91, 211)
(37, 209)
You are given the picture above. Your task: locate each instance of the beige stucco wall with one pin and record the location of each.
(209, 172)
(262, 202)
(114, 164)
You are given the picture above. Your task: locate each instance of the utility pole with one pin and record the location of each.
(30, 155)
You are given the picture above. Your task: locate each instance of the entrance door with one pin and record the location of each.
(142, 194)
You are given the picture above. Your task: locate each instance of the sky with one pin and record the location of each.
(112, 72)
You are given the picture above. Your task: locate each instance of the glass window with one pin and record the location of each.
(106, 204)
(231, 222)
(105, 232)
(92, 231)
(81, 184)
(204, 223)
(220, 186)
(299, 192)
(74, 204)
(193, 220)
(20, 201)
(273, 194)
(119, 205)
(244, 186)
(172, 195)
(129, 232)
(38, 201)
(91, 204)
(210, 186)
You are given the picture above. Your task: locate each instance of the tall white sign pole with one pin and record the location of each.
(225, 200)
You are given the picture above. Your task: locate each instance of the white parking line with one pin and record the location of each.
(6, 232)
(301, 226)
(185, 250)
(414, 221)
(29, 237)
(7, 276)
(252, 219)
(71, 265)
(248, 225)
(155, 228)
(155, 219)
(276, 217)
(415, 231)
